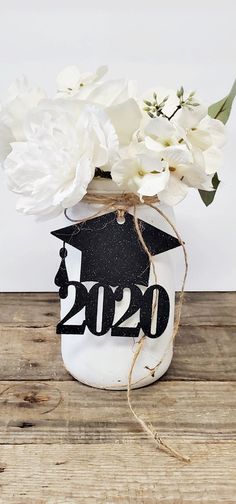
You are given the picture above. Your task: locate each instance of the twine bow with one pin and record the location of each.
(121, 203)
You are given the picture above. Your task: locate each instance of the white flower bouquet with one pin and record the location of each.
(161, 144)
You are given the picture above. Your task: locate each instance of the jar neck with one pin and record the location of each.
(103, 186)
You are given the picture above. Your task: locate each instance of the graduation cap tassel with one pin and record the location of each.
(61, 278)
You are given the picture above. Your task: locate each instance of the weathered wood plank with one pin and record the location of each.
(117, 474)
(42, 309)
(204, 353)
(69, 412)
(201, 353)
(29, 309)
(29, 353)
(115, 463)
(209, 308)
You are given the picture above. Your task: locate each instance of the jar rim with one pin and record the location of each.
(101, 185)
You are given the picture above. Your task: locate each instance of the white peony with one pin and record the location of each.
(52, 168)
(6, 138)
(21, 98)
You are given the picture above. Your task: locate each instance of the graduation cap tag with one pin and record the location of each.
(113, 259)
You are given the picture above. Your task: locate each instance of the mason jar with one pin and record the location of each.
(104, 360)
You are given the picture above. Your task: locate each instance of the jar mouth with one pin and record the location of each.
(103, 186)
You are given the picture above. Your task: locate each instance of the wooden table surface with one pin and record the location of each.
(65, 443)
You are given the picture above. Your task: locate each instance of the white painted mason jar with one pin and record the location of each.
(105, 361)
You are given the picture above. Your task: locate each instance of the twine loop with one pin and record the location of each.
(121, 203)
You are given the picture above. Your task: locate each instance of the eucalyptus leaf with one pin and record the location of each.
(221, 110)
(208, 196)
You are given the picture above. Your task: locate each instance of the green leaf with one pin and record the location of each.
(208, 196)
(221, 110)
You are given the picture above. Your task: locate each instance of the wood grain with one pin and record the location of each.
(201, 353)
(42, 309)
(65, 443)
(69, 412)
(31, 353)
(117, 474)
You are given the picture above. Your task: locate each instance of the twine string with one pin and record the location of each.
(121, 203)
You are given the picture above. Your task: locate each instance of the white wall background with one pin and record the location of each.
(169, 43)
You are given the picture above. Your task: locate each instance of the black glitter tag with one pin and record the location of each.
(113, 257)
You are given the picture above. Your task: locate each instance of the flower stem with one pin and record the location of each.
(176, 110)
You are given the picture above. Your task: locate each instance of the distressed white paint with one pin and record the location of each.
(105, 361)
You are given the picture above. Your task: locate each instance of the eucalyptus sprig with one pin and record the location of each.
(190, 101)
(154, 109)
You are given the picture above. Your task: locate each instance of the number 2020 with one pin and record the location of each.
(138, 301)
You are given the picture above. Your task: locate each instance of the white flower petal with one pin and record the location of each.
(150, 162)
(100, 72)
(112, 92)
(68, 79)
(190, 118)
(100, 132)
(174, 192)
(213, 160)
(193, 175)
(124, 172)
(20, 100)
(200, 138)
(125, 118)
(160, 127)
(144, 174)
(153, 144)
(152, 184)
(77, 188)
(176, 156)
(6, 138)
(216, 129)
